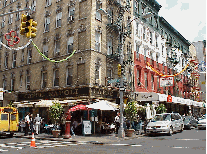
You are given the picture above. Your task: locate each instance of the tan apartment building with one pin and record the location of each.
(62, 26)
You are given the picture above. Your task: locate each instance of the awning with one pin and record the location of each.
(183, 102)
(44, 103)
(162, 97)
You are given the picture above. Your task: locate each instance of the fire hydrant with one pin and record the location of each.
(67, 125)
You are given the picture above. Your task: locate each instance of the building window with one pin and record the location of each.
(145, 54)
(138, 77)
(71, 13)
(144, 33)
(4, 82)
(21, 79)
(14, 59)
(45, 51)
(137, 51)
(57, 47)
(136, 6)
(158, 82)
(17, 16)
(70, 45)
(22, 57)
(156, 43)
(1, 38)
(6, 60)
(33, 6)
(157, 57)
(98, 41)
(29, 56)
(152, 81)
(47, 24)
(145, 80)
(56, 77)
(10, 19)
(12, 81)
(109, 47)
(137, 28)
(58, 19)
(98, 14)
(69, 77)
(48, 2)
(97, 74)
(3, 22)
(0, 60)
(28, 80)
(4, 4)
(151, 38)
(44, 79)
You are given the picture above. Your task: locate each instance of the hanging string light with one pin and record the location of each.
(19, 48)
(55, 61)
(166, 75)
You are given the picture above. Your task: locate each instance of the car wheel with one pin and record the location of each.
(170, 131)
(181, 128)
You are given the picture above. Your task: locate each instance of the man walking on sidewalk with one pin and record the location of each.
(117, 121)
(27, 121)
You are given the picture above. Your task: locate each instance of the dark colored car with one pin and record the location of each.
(190, 122)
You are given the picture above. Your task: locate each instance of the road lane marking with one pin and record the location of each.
(188, 139)
(180, 147)
(136, 145)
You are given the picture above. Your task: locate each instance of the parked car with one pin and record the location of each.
(202, 123)
(190, 122)
(166, 123)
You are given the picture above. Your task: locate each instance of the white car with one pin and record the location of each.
(166, 123)
(202, 123)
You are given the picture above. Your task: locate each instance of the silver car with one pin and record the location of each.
(166, 123)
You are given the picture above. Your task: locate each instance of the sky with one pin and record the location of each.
(188, 17)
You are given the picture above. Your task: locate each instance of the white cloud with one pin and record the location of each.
(187, 22)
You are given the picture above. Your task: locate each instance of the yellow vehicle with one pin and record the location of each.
(9, 121)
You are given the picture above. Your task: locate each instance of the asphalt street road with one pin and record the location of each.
(187, 142)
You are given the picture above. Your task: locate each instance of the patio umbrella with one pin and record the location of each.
(78, 107)
(102, 105)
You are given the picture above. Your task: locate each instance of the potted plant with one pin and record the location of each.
(131, 111)
(56, 111)
(161, 109)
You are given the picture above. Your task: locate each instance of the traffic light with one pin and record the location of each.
(32, 29)
(24, 24)
(119, 70)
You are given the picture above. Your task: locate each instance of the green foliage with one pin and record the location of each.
(10, 104)
(161, 109)
(56, 111)
(131, 111)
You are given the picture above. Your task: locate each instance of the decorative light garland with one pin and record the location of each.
(19, 48)
(55, 61)
(166, 75)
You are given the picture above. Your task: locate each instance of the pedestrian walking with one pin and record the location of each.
(73, 127)
(117, 121)
(38, 121)
(31, 123)
(27, 122)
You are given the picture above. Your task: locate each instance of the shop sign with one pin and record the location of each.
(146, 96)
(166, 81)
(169, 98)
(54, 94)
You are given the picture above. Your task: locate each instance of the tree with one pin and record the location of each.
(131, 111)
(56, 112)
(161, 109)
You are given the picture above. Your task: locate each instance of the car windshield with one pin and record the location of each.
(162, 117)
(187, 119)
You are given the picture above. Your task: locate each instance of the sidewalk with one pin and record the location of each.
(95, 139)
